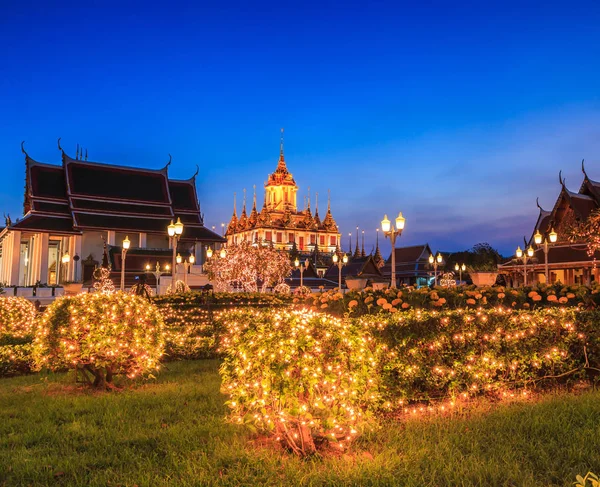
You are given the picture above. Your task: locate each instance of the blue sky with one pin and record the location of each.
(458, 115)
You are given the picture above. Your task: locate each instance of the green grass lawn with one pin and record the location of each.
(173, 432)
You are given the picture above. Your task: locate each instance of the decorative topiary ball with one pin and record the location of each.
(101, 335)
(17, 316)
(308, 379)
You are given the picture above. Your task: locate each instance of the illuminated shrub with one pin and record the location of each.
(102, 335)
(180, 288)
(459, 354)
(305, 378)
(17, 316)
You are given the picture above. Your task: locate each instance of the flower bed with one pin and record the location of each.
(369, 301)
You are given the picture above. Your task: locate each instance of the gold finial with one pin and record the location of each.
(234, 203)
(244, 199)
(281, 144)
(317, 202)
(254, 195)
(328, 200)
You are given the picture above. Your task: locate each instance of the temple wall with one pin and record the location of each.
(93, 244)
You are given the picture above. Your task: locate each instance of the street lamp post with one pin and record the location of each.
(340, 264)
(525, 256)
(186, 267)
(460, 269)
(124, 249)
(553, 237)
(301, 267)
(174, 231)
(392, 233)
(157, 273)
(435, 261)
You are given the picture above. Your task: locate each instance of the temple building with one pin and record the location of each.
(78, 211)
(568, 262)
(280, 223)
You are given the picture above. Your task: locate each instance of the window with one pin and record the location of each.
(313, 239)
(332, 241)
(291, 238)
(322, 240)
(279, 237)
(268, 236)
(301, 243)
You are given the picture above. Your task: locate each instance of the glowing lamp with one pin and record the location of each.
(345, 259)
(178, 227)
(464, 268)
(519, 252)
(167, 267)
(209, 252)
(400, 221)
(431, 258)
(178, 259)
(126, 243)
(171, 229)
(335, 258)
(537, 238)
(66, 258)
(223, 253)
(439, 258)
(297, 262)
(385, 224)
(530, 251)
(192, 259)
(457, 267)
(147, 267)
(553, 236)
(306, 263)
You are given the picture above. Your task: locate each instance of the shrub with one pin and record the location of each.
(431, 355)
(17, 316)
(15, 359)
(100, 334)
(305, 378)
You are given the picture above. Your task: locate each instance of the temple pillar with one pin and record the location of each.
(44, 240)
(36, 258)
(111, 237)
(77, 243)
(15, 258)
(142, 240)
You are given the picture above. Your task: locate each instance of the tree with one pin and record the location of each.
(587, 231)
(101, 335)
(245, 266)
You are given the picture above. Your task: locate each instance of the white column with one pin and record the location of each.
(34, 259)
(142, 240)
(111, 237)
(77, 251)
(44, 239)
(13, 279)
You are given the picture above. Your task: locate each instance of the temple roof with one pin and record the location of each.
(90, 195)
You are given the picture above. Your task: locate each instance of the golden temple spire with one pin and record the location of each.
(234, 205)
(254, 202)
(328, 200)
(244, 205)
(281, 144)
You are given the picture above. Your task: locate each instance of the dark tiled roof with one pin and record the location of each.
(45, 223)
(47, 181)
(104, 206)
(183, 195)
(119, 222)
(410, 254)
(119, 183)
(48, 207)
(582, 204)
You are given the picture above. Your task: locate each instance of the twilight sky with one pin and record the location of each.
(457, 115)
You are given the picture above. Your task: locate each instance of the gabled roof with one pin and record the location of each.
(359, 267)
(90, 195)
(121, 183)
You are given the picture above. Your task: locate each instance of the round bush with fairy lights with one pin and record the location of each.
(306, 379)
(17, 316)
(100, 335)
